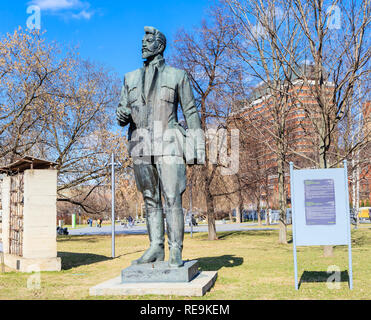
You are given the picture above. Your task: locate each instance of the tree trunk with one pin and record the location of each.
(328, 251)
(238, 215)
(354, 189)
(282, 202)
(357, 188)
(209, 198)
(240, 205)
(258, 209)
(282, 232)
(267, 215)
(210, 216)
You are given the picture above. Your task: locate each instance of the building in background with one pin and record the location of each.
(257, 116)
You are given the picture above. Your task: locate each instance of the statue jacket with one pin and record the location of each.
(152, 114)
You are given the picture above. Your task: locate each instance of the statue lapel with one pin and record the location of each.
(141, 86)
(153, 80)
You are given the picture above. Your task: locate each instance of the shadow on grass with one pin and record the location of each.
(90, 239)
(321, 276)
(73, 259)
(358, 240)
(216, 263)
(224, 235)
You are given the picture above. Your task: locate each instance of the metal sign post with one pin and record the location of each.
(113, 203)
(349, 232)
(320, 210)
(293, 225)
(190, 207)
(113, 164)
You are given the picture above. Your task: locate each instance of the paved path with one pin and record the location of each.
(106, 230)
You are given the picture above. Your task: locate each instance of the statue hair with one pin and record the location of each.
(158, 35)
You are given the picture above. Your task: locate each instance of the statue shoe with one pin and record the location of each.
(175, 260)
(152, 254)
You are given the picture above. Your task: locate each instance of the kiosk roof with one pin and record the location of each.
(26, 163)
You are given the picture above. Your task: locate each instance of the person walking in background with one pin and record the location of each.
(130, 221)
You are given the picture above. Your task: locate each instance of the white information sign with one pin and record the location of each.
(320, 209)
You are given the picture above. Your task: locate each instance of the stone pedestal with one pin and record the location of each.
(160, 272)
(158, 278)
(38, 237)
(32, 265)
(195, 288)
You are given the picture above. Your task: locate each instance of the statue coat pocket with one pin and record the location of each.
(138, 111)
(167, 94)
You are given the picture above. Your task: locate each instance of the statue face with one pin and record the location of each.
(150, 46)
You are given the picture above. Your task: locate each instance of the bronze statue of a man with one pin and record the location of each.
(149, 104)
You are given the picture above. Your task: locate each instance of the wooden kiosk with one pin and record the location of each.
(29, 197)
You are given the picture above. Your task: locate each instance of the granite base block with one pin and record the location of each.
(32, 265)
(195, 288)
(160, 272)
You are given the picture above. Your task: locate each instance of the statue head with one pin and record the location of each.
(153, 43)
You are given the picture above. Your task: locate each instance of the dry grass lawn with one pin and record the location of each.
(250, 265)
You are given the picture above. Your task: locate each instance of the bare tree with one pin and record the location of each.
(267, 44)
(28, 69)
(78, 135)
(340, 61)
(57, 106)
(205, 54)
(281, 36)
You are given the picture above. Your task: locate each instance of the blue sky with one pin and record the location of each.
(107, 31)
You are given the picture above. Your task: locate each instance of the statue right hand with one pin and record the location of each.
(123, 116)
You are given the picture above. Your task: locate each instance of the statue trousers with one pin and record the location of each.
(162, 176)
